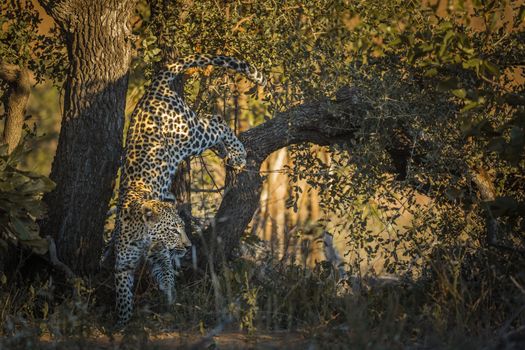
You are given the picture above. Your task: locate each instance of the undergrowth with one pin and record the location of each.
(467, 301)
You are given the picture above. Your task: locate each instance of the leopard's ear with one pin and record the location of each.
(149, 212)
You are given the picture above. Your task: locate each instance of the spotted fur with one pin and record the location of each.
(163, 131)
(152, 230)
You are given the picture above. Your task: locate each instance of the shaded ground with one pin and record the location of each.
(175, 340)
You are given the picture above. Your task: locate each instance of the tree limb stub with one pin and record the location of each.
(322, 122)
(15, 102)
(487, 191)
(60, 10)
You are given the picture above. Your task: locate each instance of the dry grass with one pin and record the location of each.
(470, 304)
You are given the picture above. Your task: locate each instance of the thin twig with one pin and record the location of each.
(210, 175)
(205, 190)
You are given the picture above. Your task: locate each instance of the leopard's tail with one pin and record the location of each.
(220, 61)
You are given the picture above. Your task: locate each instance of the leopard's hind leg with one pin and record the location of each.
(126, 262)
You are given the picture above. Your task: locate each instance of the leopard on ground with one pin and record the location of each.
(163, 131)
(154, 230)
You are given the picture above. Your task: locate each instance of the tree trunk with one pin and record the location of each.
(90, 143)
(15, 102)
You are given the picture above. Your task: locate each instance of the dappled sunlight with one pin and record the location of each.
(362, 188)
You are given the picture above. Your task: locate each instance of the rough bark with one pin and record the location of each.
(487, 192)
(321, 122)
(15, 101)
(90, 143)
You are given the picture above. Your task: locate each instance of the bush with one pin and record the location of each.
(21, 202)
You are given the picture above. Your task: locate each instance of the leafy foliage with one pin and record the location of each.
(20, 202)
(21, 191)
(299, 61)
(442, 107)
(19, 21)
(22, 43)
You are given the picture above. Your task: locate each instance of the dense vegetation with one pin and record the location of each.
(427, 104)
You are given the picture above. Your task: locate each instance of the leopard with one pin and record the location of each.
(153, 231)
(162, 132)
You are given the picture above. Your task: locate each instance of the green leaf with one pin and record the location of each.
(469, 106)
(450, 34)
(466, 49)
(37, 186)
(17, 179)
(521, 14)
(446, 25)
(3, 150)
(6, 186)
(397, 41)
(448, 84)
(461, 93)
(149, 40)
(20, 228)
(428, 47)
(16, 155)
(446, 40)
(472, 63)
(492, 68)
(432, 72)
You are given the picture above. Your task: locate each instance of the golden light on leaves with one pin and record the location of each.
(401, 25)
(351, 22)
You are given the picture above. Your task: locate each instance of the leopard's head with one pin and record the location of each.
(163, 223)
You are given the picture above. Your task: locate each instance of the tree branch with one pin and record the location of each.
(15, 102)
(322, 122)
(59, 10)
(487, 191)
